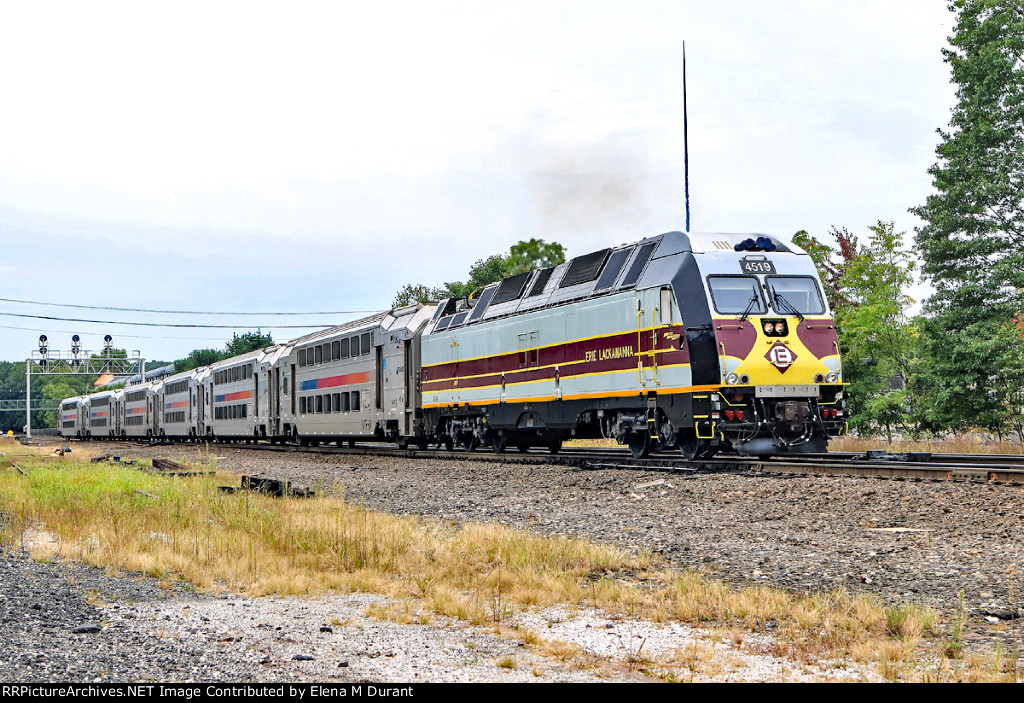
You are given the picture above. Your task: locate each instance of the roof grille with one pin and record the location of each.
(612, 270)
(633, 275)
(511, 288)
(584, 268)
(542, 280)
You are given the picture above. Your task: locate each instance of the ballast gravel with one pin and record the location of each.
(69, 622)
(901, 540)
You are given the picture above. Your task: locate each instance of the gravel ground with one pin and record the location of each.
(901, 540)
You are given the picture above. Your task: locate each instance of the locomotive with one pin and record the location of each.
(697, 343)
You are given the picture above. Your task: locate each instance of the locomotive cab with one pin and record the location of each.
(780, 374)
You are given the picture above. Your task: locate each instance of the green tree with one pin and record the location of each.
(248, 342)
(972, 242)
(867, 289)
(416, 293)
(523, 256)
(876, 326)
(239, 344)
(1010, 386)
(533, 254)
(197, 358)
(55, 391)
(832, 263)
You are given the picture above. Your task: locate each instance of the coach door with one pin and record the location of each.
(409, 394)
(271, 412)
(201, 426)
(277, 400)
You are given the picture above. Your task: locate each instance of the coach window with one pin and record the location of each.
(319, 353)
(365, 345)
(336, 350)
(355, 345)
(337, 402)
(302, 406)
(355, 401)
(344, 348)
(319, 403)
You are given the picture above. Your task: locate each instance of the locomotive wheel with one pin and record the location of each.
(498, 444)
(448, 443)
(523, 448)
(639, 445)
(555, 446)
(472, 443)
(691, 447)
(422, 443)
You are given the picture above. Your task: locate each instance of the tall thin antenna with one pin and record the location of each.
(686, 150)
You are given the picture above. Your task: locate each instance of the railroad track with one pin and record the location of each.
(986, 468)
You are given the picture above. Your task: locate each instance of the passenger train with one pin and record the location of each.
(697, 343)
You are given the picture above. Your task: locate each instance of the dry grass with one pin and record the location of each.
(963, 444)
(124, 519)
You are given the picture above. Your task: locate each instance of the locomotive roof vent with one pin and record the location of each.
(584, 268)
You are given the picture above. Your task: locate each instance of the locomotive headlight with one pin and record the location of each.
(832, 376)
(769, 328)
(780, 327)
(731, 378)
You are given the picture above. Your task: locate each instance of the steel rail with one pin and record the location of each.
(988, 468)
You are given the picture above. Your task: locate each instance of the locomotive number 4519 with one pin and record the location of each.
(757, 266)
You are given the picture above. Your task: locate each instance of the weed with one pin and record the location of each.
(506, 663)
(953, 647)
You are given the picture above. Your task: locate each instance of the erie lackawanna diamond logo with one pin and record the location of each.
(781, 357)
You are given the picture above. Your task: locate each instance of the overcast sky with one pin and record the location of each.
(303, 157)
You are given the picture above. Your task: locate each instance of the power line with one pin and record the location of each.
(179, 312)
(165, 324)
(129, 336)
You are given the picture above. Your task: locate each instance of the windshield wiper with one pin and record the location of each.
(778, 298)
(749, 308)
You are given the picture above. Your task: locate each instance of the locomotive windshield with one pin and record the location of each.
(797, 294)
(736, 295)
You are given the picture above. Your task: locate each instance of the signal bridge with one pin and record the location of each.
(47, 362)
